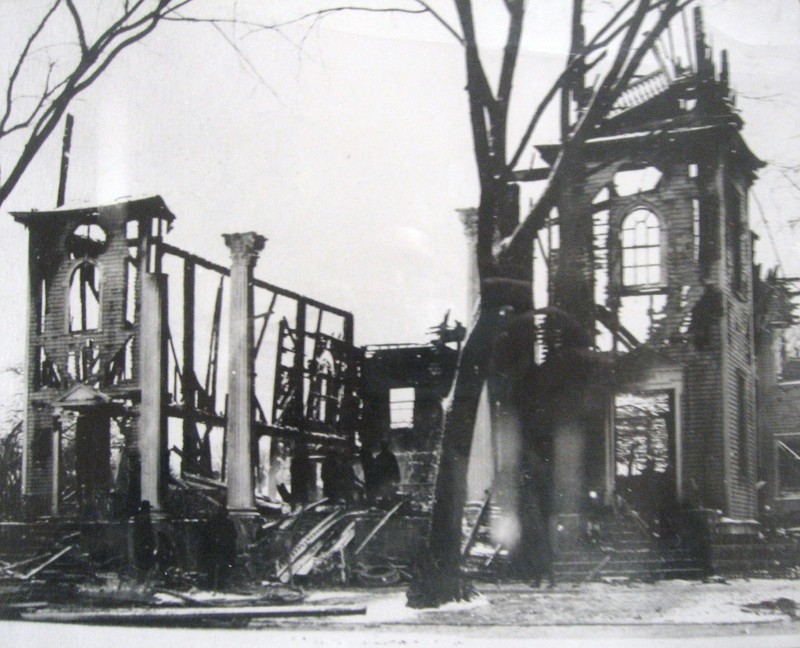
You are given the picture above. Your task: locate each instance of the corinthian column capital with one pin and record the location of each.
(244, 247)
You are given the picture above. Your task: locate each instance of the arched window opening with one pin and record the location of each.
(84, 298)
(641, 249)
(87, 239)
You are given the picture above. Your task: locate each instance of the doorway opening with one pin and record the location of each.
(645, 452)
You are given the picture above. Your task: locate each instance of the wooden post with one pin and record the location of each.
(189, 390)
(298, 381)
(239, 473)
(65, 149)
(55, 483)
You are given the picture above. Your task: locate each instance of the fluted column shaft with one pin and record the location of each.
(239, 469)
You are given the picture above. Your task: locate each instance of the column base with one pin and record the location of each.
(247, 523)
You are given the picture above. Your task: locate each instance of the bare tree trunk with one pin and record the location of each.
(438, 578)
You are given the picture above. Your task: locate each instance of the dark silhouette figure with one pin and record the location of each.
(302, 475)
(166, 556)
(338, 477)
(387, 471)
(532, 558)
(330, 476)
(220, 549)
(349, 413)
(144, 543)
(370, 474)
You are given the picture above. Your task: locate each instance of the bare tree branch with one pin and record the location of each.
(615, 81)
(93, 60)
(321, 13)
(438, 17)
(20, 61)
(76, 18)
(545, 102)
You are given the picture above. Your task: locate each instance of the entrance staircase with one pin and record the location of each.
(621, 546)
(618, 546)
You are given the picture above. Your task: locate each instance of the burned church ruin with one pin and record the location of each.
(653, 391)
(115, 364)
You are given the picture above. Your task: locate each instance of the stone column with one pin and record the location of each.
(239, 466)
(152, 378)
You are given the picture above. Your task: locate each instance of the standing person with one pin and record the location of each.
(144, 543)
(221, 549)
(387, 471)
(532, 557)
(302, 475)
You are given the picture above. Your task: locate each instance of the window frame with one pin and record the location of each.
(626, 250)
(71, 276)
(780, 491)
(401, 409)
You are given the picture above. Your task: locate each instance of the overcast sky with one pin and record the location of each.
(353, 153)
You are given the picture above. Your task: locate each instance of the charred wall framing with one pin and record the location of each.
(151, 361)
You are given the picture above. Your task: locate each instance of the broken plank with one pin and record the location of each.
(309, 541)
(344, 539)
(193, 614)
(302, 566)
(473, 535)
(597, 568)
(10, 568)
(497, 549)
(378, 526)
(47, 562)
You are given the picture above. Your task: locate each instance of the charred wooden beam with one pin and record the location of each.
(191, 442)
(298, 381)
(166, 248)
(191, 614)
(531, 175)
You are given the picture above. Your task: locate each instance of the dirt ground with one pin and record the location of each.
(668, 613)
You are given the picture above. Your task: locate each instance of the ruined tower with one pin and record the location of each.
(655, 264)
(94, 367)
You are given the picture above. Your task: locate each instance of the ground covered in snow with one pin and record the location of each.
(676, 613)
(632, 603)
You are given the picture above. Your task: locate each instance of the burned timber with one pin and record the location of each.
(188, 424)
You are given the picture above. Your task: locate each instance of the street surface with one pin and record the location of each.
(685, 614)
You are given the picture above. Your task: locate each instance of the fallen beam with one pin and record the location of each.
(378, 526)
(47, 562)
(473, 534)
(531, 175)
(10, 568)
(597, 568)
(190, 614)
